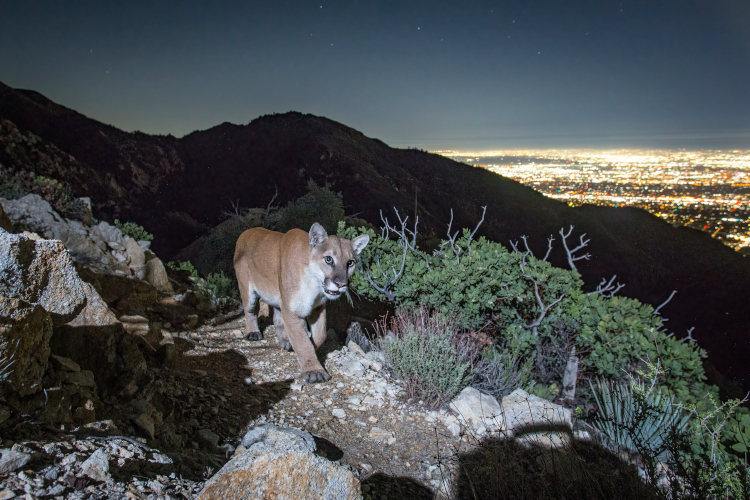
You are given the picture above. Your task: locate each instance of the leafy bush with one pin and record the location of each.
(500, 372)
(320, 204)
(222, 290)
(17, 184)
(539, 311)
(133, 230)
(430, 352)
(218, 287)
(184, 266)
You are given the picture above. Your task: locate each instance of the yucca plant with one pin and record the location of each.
(638, 418)
(6, 360)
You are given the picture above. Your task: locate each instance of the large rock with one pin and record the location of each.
(96, 312)
(102, 247)
(477, 411)
(41, 272)
(156, 275)
(27, 329)
(279, 463)
(11, 460)
(522, 410)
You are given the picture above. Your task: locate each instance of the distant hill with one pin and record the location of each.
(179, 188)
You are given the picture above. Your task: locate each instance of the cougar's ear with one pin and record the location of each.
(360, 242)
(317, 235)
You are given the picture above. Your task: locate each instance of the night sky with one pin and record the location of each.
(434, 75)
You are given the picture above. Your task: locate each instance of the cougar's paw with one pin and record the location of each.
(315, 376)
(285, 344)
(254, 336)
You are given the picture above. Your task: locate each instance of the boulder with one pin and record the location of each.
(41, 272)
(477, 411)
(27, 328)
(64, 364)
(279, 463)
(156, 275)
(136, 256)
(96, 312)
(522, 410)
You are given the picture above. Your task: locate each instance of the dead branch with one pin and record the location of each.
(607, 289)
(544, 308)
(571, 253)
(656, 311)
(404, 234)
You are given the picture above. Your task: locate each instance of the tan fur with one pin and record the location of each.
(295, 274)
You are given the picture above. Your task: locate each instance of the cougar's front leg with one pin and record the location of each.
(250, 307)
(318, 326)
(278, 325)
(312, 370)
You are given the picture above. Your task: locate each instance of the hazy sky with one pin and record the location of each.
(463, 75)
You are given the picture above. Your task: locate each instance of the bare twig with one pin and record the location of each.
(471, 236)
(689, 336)
(452, 239)
(514, 245)
(544, 308)
(404, 234)
(526, 244)
(386, 289)
(549, 246)
(268, 208)
(571, 253)
(656, 311)
(607, 289)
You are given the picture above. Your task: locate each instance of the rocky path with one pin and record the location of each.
(219, 386)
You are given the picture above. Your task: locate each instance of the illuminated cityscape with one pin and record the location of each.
(705, 190)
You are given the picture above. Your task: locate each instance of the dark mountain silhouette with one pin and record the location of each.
(179, 188)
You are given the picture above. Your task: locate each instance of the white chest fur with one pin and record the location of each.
(309, 295)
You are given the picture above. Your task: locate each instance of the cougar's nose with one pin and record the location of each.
(340, 284)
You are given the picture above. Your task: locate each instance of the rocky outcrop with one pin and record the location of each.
(27, 329)
(101, 247)
(279, 463)
(41, 272)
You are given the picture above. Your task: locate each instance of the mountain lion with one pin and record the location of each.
(295, 273)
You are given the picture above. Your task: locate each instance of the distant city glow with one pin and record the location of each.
(705, 190)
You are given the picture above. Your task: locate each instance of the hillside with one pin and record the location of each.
(178, 189)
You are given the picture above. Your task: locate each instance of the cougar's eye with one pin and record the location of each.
(329, 260)
(350, 263)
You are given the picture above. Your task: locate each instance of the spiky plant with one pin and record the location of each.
(637, 418)
(6, 360)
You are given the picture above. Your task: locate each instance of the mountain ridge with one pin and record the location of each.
(178, 188)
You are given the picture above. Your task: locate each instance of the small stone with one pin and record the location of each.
(355, 348)
(338, 413)
(247, 381)
(373, 419)
(366, 467)
(7, 493)
(12, 460)
(296, 386)
(64, 364)
(208, 439)
(96, 466)
(391, 441)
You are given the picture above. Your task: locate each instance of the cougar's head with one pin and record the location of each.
(332, 259)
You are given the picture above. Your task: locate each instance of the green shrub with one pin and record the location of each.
(184, 266)
(320, 204)
(218, 287)
(222, 290)
(133, 230)
(430, 352)
(17, 184)
(539, 311)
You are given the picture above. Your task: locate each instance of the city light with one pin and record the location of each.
(704, 190)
